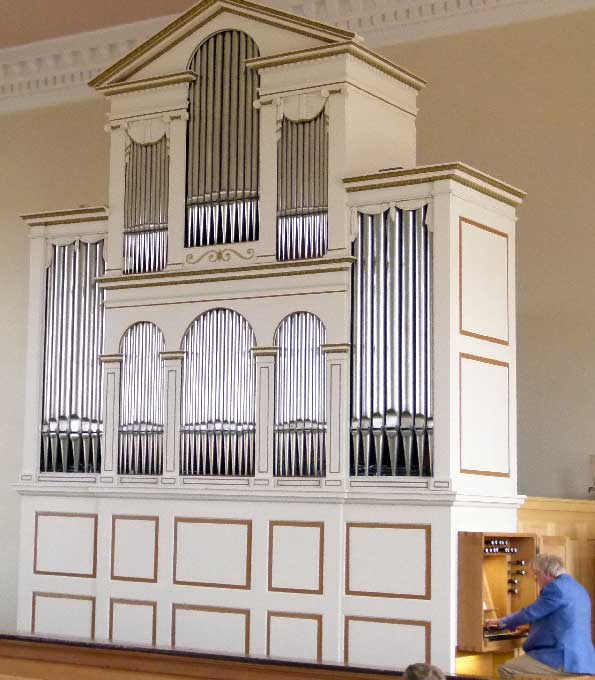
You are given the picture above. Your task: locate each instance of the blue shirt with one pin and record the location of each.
(560, 619)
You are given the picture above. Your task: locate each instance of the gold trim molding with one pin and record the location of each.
(457, 172)
(350, 48)
(219, 255)
(148, 83)
(261, 13)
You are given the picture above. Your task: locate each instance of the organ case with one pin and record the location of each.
(494, 581)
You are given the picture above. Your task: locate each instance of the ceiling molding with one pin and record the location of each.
(389, 22)
(57, 71)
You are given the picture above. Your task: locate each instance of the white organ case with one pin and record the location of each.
(283, 351)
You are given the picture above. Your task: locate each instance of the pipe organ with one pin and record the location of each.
(141, 401)
(71, 424)
(145, 212)
(300, 391)
(391, 330)
(281, 366)
(302, 188)
(218, 384)
(223, 134)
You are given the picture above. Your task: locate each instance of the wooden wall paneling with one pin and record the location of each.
(219, 551)
(283, 583)
(316, 618)
(425, 557)
(68, 541)
(141, 554)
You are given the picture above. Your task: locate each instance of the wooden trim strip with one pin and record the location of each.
(468, 333)
(208, 520)
(64, 213)
(133, 603)
(62, 596)
(442, 167)
(148, 83)
(427, 625)
(455, 178)
(175, 662)
(306, 525)
(221, 610)
(294, 615)
(138, 518)
(311, 266)
(350, 48)
(92, 516)
(427, 528)
(493, 362)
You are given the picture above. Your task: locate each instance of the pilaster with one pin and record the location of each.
(265, 409)
(337, 409)
(111, 365)
(172, 370)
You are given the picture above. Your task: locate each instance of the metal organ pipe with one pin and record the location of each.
(302, 189)
(223, 133)
(300, 397)
(218, 402)
(391, 397)
(142, 403)
(71, 413)
(145, 207)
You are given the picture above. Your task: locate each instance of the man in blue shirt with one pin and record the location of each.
(559, 640)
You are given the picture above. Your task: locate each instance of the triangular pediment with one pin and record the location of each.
(198, 18)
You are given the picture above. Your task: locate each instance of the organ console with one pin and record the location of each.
(493, 582)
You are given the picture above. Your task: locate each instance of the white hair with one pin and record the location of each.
(550, 565)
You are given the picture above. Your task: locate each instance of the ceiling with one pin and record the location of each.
(26, 21)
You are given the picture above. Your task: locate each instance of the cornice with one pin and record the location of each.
(57, 71)
(425, 174)
(350, 48)
(387, 22)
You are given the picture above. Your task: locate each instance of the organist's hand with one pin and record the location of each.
(492, 624)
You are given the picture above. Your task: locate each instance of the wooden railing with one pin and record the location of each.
(49, 659)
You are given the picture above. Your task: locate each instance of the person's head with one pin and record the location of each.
(422, 671)
(546, 568)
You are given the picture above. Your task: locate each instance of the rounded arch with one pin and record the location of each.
(300, 396)
(314, 318)
(218, 394)
(195, 54)
(222, 176)
(142, 402)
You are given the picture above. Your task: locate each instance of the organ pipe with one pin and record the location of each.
(391, 363)
(223, 137)
(71, 424)
(218, 396)
(300, 397)
(142, 405)
(146, 197)
(302, 189)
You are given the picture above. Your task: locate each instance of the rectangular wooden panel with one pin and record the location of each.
(65, 544)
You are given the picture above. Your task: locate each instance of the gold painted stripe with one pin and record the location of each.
(288, 21)
(265, 275)
(310, 266)
(62, 213)
(426, 180)
(440, 168)
(52, 223)
(351, 48)
(148, 83)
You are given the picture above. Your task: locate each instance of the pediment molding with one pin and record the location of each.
(204, 12)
